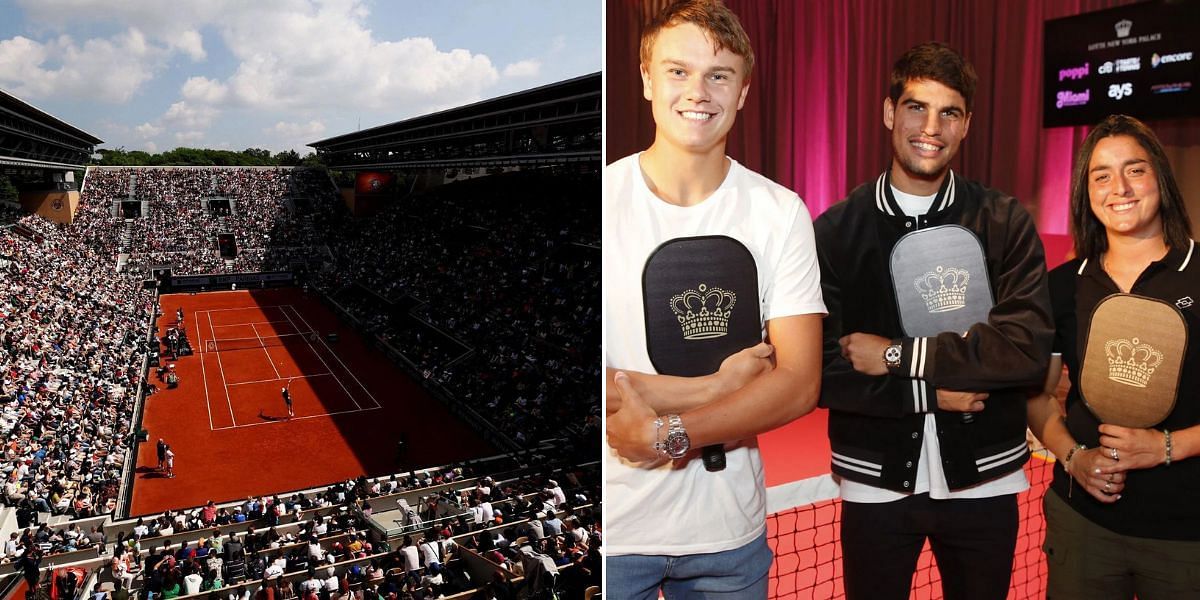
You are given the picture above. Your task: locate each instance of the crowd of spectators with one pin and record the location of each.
(530, 525)
(504, 274)
(72, 343)
(278, 216)
(488, 286)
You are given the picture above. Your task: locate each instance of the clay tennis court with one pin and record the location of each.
(228, 424)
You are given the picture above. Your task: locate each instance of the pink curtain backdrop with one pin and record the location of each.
(814, 118)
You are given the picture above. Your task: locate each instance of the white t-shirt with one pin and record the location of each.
(412, 560)
(429, 553)
(191, 583)
(931, 479)
(679, 509)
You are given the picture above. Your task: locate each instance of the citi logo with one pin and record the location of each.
(1120, 66)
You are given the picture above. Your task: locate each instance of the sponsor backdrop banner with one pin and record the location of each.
(1138, 60)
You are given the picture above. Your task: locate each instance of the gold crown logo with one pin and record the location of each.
(1123, 26)
(943, 289)
(703, 313)
(1131, 362)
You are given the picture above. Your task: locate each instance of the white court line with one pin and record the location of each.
(252, 323)
(243, 308)
(340, 412)
(283, 379)
(322, 359)
(335, 355)
(203, 374)
(265, 351)
(228, 401)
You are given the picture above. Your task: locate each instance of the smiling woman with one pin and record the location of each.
(1123, 189)
(1130, 499)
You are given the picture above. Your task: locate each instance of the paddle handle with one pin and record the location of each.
(714, 458)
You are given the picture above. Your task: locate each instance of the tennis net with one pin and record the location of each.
(808, 554)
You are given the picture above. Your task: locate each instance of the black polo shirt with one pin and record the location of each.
(1162, 502)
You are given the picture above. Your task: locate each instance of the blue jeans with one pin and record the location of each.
(740, 573)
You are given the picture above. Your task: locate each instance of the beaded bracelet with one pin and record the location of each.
(1167, 441)
(1067, 466)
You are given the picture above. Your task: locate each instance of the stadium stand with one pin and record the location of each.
(484, 290)
(70, 395)
(178, 212)
(540, 534)
(481, 278)
(71, 350)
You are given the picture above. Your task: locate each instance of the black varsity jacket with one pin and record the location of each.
(876, 424)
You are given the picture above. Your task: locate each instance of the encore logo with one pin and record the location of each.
(1167, 59)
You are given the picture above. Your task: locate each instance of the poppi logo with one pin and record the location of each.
(1069, 98)
(1073, 72)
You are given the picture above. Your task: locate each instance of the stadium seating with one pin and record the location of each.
(486, 292)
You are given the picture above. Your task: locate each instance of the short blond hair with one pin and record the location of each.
(721, 25)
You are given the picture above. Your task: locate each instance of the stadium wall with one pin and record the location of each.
(54, 206)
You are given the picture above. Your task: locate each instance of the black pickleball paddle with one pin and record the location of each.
(700, 297)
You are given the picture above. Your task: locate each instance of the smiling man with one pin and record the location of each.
(673, 525)
(909, 465)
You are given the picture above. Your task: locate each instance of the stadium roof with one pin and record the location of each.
(558, 122)
(32, 137)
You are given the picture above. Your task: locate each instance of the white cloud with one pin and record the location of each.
(405, 76)
(190, 43)
(150, 15)
(294, 54)
(203, 89)
(107, 69)
(293, 61)
(188, 137)
(188, 116)
(146, 130)
(150, 147)
(303, 131)
(524, 68)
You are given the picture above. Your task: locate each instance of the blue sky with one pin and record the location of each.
(157, 74)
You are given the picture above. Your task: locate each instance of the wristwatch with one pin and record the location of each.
(892, 355)
(677, 443)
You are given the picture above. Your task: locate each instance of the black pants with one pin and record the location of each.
(972, 540)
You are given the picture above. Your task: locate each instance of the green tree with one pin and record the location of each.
(287, 158)
(257, 156)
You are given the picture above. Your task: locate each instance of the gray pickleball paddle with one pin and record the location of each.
(940, 279)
